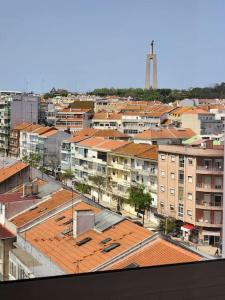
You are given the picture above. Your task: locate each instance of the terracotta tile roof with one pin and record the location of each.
(21, 126)
(107, 116)
(15, 197)
(180, 110)
(150, 154)
(5, 233)
(196, 111)
(74, 110)
(62, 250)
(32, 127)
(76, 139)
(50, 132)
(157, 252)
(56, 199)
(111, 133)
(133, 149)
(166, 133)
(7, 172)
(100, 143)
(41, 130)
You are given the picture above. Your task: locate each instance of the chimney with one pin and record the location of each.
(27, 189)
(83, 220)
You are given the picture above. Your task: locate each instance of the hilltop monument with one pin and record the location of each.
(151, 57)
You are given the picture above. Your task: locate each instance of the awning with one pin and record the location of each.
(211, 233)
(187, 227)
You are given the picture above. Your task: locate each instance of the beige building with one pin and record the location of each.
(190, 189)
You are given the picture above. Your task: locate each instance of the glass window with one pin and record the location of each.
(189, 212)
(162, 173)
(172, 191)
(190, 161)
(163, 156)
(180, 210)
(172, 175)
(172, 158)
(189, 196)
(162, 188)
(190, 179)
(171, 207)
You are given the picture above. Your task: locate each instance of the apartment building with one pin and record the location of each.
(133, 164)
(107, 120)
(73, 119)
(14, 142)
(190, 189)
(89, 158)
(162, 136)
(202, 122)
(45, 141)
(15, 109)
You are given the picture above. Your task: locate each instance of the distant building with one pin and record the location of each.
(45, 141)
(202, 122)
(14, 110)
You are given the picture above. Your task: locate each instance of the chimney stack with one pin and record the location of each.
(83, 220)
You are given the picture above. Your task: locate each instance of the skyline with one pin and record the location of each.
(84, 45)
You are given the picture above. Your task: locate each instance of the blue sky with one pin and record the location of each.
(86, 44)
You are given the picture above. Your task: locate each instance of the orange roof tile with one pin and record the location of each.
(56, 199)
(100, 143)
(157, 252)
(50, 132)
(62, 250)
(32, 127)
(166, 133)
(150, 154)
(7, 172)
(133, 149)
(21, 126)
(107, 116)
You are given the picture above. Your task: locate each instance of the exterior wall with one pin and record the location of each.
(169, 141)
(191, 121)
(15, 180)
(5, 246)
(197, 198)
(47, 267)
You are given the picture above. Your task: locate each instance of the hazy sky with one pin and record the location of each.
(85, 44)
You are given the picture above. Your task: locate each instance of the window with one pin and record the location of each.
(163, 157)
(172, 175)
(171, 207)
(189, 212)
(172, 158)
(162, 204)
(181, 177)
(190, 179)
(190, 161)
(162, 173)
(172, 191)
(125, 177)
(12, 268)
(180, 210)
(189, 196)
(162, 188)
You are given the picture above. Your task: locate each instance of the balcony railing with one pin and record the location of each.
(209, 187)
(209, 205)
(209, 169)
(208, 223)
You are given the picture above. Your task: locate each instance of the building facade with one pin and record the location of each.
(190, 189)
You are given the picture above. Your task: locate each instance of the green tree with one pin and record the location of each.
(167, 225)
(33, 159)
(66, 175)
(99, 183)
(82, 187)
(140, 199)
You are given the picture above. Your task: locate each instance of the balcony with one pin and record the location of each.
(217, 170)
(203, 187)
(121, 167)
(208, 223)
(212, 205)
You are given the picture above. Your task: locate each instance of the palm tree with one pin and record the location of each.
(66, 175)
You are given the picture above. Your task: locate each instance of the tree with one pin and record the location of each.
(33, 159)
(65, 175)
(82, 187)
(140, 199)
(167, 225)
(99, 182)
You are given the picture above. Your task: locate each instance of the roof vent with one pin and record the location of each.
(110, 247)
(83, 220)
